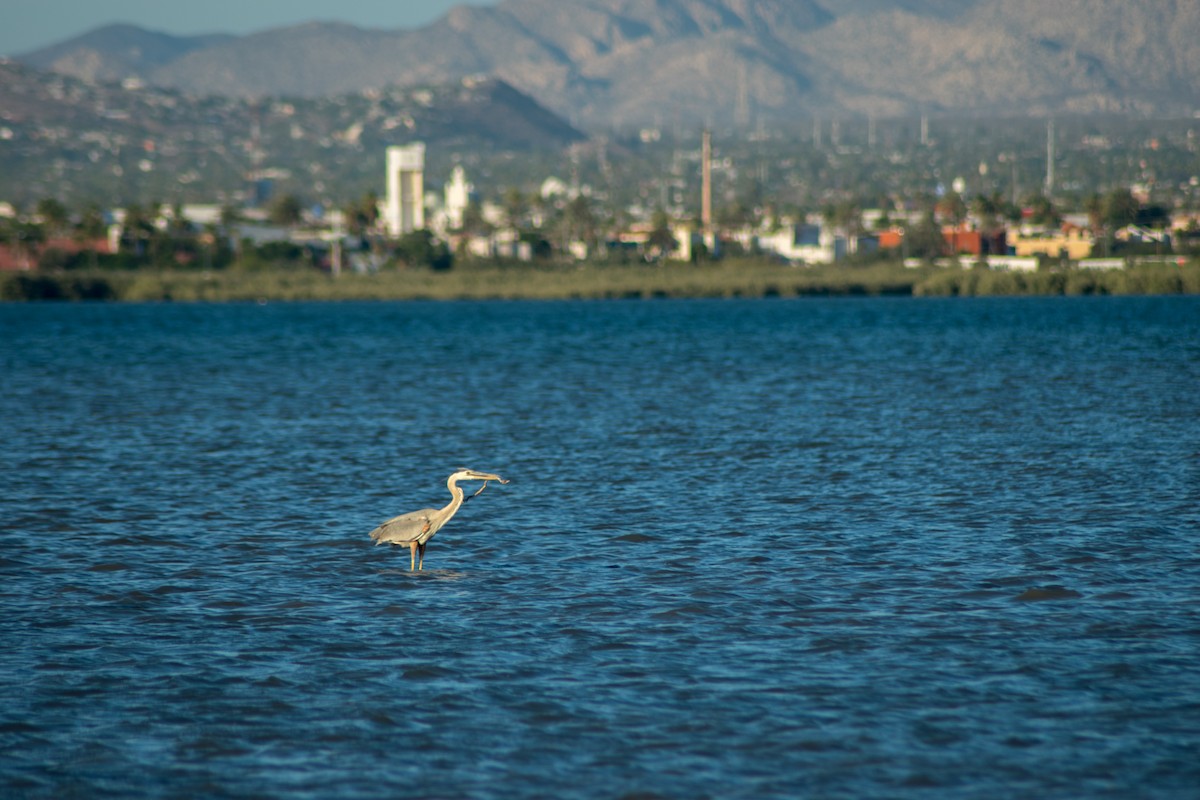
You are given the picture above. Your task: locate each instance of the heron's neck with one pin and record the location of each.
(456, 497)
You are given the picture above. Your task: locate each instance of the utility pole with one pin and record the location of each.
(706, 181)
(1049, 158)
(741, 116)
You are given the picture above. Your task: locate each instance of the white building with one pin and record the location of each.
(457, 198)
(806, 243)
(812, 243)
(404, 205)
(553, 187)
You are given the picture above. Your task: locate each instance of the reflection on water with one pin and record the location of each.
(840, 548)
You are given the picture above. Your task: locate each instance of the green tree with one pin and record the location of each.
(180, 242)
(362, 214)
(516, 208)
(953, 208)
(735, 215)
(988, 209)
(579, 221)
(1153, 216)
(91, 223)
(137, 230)
(1042, 210)
(231, 215)
(25, 238)
(285, 210)
(923, 239)
(227, 241)
(420, 249)
(53, 215)
(844, 216)
(178, 225)
(661, 242)
(1093, 205)
(1119, 208)
(91, 228)
(473, 222)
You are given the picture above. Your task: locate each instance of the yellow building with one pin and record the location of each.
(1072, 242)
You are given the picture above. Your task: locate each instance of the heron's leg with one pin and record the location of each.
(412, 552)
(421, 550)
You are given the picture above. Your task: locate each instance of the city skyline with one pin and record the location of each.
(33, 24)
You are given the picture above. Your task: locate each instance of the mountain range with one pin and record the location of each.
(606, 64)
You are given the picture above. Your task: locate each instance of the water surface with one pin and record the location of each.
(835, 548)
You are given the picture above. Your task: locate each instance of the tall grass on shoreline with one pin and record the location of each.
(1139, 280)
(500, 281)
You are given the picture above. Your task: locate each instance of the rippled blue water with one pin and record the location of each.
(844, 548)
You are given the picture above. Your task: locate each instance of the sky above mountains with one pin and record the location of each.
(27, 25)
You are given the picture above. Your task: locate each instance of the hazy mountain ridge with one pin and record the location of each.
(482, 109)
(115, 52)
(614, 62)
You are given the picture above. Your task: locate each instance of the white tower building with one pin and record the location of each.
(404, 208)
(458, 197)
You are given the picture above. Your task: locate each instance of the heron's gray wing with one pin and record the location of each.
(404, 528)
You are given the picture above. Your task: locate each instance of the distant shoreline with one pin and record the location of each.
(490, 281)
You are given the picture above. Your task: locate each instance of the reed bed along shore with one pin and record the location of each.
(493, 281)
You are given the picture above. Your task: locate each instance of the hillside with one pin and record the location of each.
(66, 137)
(610, 63)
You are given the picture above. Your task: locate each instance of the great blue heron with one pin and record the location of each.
(418, 527)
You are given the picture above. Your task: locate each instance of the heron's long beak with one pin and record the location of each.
(486, 476)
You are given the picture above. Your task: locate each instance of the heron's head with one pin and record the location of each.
(473, 475)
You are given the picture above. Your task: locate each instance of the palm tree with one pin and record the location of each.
(987, 210)
(1094, 206)
(579, 221)
(924, 239)
(1042, 210)
(953, 209)
(661, 240)
(1120, 208)
(362, 214)
(136, 229)
(516, 208)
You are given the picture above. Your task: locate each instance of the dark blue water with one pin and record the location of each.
(876, 548)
